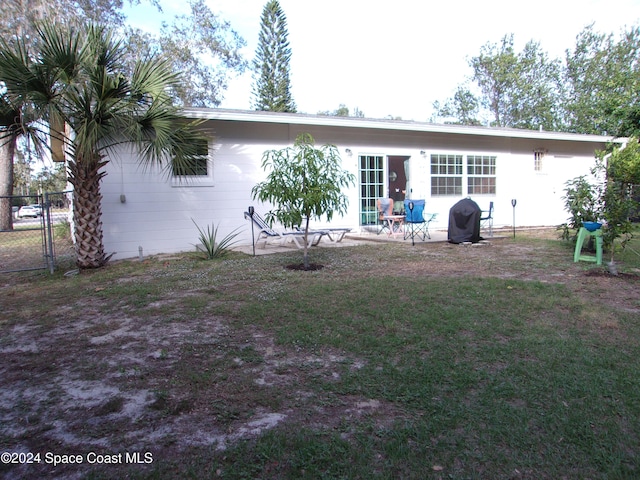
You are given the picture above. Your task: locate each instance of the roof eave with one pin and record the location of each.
(384, 124)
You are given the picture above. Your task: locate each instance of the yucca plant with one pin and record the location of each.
(209, 244)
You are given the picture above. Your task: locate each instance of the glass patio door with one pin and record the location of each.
(372, 186)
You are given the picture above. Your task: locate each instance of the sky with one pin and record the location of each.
(394, 59)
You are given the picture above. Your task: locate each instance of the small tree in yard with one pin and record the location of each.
(304, 182)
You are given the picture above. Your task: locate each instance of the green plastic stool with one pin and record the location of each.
(582, 236)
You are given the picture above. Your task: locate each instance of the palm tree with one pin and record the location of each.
(78, 83)
(18, 116)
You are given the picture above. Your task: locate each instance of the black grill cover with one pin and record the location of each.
(464, 222)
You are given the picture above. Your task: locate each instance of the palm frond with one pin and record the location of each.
(153, 78)
(61, 52)
(108, 51)
(15, 69)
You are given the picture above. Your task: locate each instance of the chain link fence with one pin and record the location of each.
(38, 235)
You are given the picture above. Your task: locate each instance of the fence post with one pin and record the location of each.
(49, 233)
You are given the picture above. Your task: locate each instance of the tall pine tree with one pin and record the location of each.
(272, 86)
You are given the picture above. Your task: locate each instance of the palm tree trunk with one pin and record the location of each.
(7, 150)
(87, 213)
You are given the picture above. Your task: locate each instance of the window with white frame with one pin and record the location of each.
(450, 178)
(198, 171)
(481, 175)
(446, 174)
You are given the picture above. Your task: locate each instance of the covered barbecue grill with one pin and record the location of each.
(464, 222)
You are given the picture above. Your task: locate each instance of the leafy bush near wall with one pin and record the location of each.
(582, 200)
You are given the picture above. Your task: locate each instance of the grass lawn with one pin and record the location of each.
(502, 361)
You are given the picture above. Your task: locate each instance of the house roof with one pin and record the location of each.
(385, 124)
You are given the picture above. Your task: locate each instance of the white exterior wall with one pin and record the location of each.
(538, 195)
(157, 213)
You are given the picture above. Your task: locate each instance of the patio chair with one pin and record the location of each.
(385, 209)
(386, 217)
(267, 235)
(486, 220)
(416, 220)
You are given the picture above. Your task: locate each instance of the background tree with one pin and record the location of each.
(463, 108)
(202, 44)
(272, 85)
(594, 91)
(517, 90)
(21, 174)
(603, 83)
(343, 111)
(630, 122)
(50, 179)
(18, 18)
(76, 78)
(304, 182)
(521, 90)
(27, 181)
(622, 169)
(8, 139)
(19, 115)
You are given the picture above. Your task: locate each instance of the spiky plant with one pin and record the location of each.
(211, 245)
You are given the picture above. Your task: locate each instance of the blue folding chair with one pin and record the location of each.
(415, 223)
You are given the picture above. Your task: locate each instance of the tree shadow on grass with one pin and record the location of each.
(300, 266)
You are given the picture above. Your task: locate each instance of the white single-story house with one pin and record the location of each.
(155, 210)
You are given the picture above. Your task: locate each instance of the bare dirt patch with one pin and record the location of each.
(112, 385)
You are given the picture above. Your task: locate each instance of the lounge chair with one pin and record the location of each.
(334, 235)
(267, 235)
